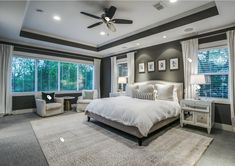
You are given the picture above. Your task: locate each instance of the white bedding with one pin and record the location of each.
(142, 114)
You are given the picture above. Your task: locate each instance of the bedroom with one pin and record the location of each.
(117, 82)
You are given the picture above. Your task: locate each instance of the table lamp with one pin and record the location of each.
(122, 81)
(196, 81)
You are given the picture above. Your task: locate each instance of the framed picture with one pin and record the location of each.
(141, 68)
(162, 65)
(151, 66)
(174, 64)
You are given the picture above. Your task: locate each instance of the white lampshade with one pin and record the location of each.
(198, 79)
(122, 80)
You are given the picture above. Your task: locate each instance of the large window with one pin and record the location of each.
(47, 75)
(214, 64)
(68, 76)
(23, 74)
(30, 75)
(122, 72)
(85, 79)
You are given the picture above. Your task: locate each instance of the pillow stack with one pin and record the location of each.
(152, 92)
(145, 92)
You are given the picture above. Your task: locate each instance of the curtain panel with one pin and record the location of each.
(231, 47)
(5, 79)
(131, 67)
(113, 74)
(190, 58)
(97, 75)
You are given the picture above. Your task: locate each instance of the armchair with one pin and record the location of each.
(44, 109)
(84, 100)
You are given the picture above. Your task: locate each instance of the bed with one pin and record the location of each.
(135, 116)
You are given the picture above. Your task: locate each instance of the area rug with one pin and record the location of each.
(71, 140)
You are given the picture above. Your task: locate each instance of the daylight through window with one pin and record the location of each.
(31, 75)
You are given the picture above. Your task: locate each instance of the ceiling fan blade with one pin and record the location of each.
(111, 27)
(111, 11)
(94, 25)
(122, 21)
(90, 15)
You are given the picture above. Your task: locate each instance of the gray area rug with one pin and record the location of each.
(71, 140)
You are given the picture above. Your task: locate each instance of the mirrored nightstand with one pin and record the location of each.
(198, 113)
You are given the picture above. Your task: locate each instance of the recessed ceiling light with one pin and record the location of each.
(137, 44)
(102, 33)
(164, 37)
(57, 18)
(173, 1)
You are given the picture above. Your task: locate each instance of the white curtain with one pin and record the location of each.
(5, 79)
(97, 75)
(131, 67)
(190, 58)
(231, 46)
(113, 74)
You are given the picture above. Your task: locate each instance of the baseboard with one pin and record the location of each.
(224, 127)
(23, 111)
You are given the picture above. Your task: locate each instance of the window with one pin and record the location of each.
(47, 75)
(214, 64)
(68, 76)
(23, 74)
(122, 72)
(31, 74)
(85, 79)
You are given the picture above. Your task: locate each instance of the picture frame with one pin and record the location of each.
(174, 64)
(162, 65)
(151, 66)
(141, 68)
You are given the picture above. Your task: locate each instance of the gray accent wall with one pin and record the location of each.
(160, 52)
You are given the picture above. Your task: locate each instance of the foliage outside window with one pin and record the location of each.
(47, 75)
(30, 75)
(68, 76)
(122, 72)
(23, 74)
(214, 64)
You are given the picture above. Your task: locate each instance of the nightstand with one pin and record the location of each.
(116, 94)
(198, 113)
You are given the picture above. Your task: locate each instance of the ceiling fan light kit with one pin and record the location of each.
(107, 18)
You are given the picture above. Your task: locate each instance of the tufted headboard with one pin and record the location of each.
(177, 86)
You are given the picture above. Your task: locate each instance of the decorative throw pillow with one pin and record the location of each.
(144, 96)
(164, 92)
(146, 88)
(48, 97)
(88, 95)
(130, 90)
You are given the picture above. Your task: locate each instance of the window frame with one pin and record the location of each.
(50, 58)
(121, 61)
(210, 46)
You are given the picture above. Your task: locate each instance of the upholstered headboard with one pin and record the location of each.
(178, 86)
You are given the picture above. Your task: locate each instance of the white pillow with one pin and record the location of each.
(164, 92)
(130, 89)
(144, 96)
(146, 88)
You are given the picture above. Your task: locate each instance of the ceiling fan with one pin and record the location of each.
(107, 18)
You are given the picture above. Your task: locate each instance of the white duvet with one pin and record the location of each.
(142, 114)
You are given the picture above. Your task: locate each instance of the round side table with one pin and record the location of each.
(67, 101)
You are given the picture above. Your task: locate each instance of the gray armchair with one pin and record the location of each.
(85, 99)
(48, 109)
